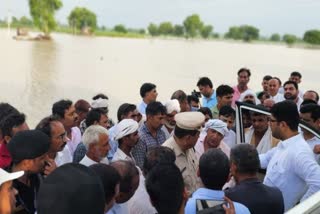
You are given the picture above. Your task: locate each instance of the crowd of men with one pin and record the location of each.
(179, 156)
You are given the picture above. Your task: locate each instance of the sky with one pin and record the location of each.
(270, 16)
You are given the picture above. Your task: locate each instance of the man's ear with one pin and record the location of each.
(318, 124)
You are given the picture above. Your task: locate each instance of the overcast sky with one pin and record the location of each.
(281, 16)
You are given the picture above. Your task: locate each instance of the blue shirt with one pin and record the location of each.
(112, 142)
(291, 167)
(209, 102)
(142, 107)
(207, 194)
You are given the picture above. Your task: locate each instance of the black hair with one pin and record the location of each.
(94, 115)
(214, 169)
(205, 111)
(314, 109)
(124, 110)
(286, 111)
(296, 74)
(9, 122)
(267, 77)
(127, 171)
(192, 98)
(100, 95)
(156, 156)
(180, 133)
(204, 81)
(246, 158)
(291, 82)
(109, 177)
(6, 109)
(224, 90)
(145, 88)
(59, 108)
(45, 125)
(165, 186)
(244, 70)
(179, 95)
(307, 101)
(227, 111)
(155, 108)
(260, 95)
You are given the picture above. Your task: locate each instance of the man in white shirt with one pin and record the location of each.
(273, 90)
(211, 137)
(126, 133)
(310, 113)
(291, 165)
(291, 92)
(172, 107)
(96, 141)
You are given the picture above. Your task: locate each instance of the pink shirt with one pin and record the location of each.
(236, 95)
(5, 157)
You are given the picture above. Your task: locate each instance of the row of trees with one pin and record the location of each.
(192, 26)
(42, 13)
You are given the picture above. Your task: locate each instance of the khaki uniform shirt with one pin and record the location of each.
(187, 162)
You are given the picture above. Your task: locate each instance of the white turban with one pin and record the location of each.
(172, 105)
(217, 125)
(99, 103)
(125, 127)
(249, 92)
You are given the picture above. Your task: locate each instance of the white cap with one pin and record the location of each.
(99, 103)
(125, 127)
(217, 125)
(6, 176)
(172, 105)
(189, 120)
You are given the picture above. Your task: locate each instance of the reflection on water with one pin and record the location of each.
(36, 74)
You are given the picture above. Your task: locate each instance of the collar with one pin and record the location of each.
(175, 147)
(87, 161)
(286, 143)
(215, 194)
(249, 181)
(122, 155)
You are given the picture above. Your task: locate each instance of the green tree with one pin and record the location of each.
(165, 28)
(234, 33)
(312, 37)
(289, 39)
(120, 29)
(249, 33)
(142, 31)
(206, 31)
(178, 30)
(275, 37)
(42, 13)
(192, 25)
(24, 21)
(153, 29)
(244, 32)
(81, 17)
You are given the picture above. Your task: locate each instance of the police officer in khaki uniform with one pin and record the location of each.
(186, 134)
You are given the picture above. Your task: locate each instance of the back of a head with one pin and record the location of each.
(296, 74)
(145, 88)
(6, 109)
(45, 125)
(205, 111)
(127, 171)
(71, 188)
(267, 77)
(214, 169)
(180, 95)
(94, 115)
(286, 111)
(59, 107)
(165, 186)
(10, 121)
(155, 108)
(246, 158)
(82, 105)
(156, 156)
(109, 177)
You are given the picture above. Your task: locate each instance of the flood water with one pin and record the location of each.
(36, 74)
